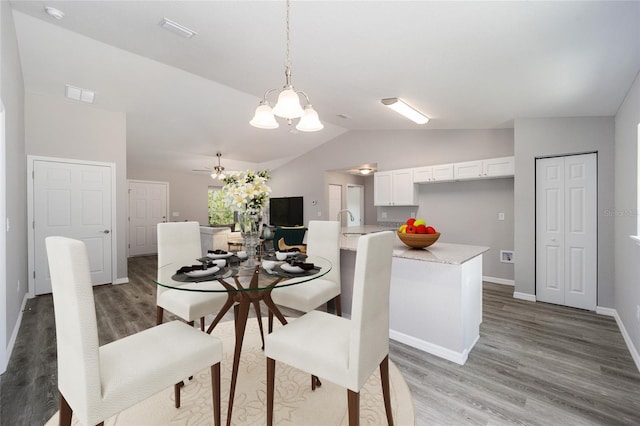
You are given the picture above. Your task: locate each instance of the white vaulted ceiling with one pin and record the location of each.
(465, 64)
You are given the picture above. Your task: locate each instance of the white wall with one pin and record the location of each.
(14, 168)
(62, 128)
(475, 219)
(559, 136)
(627, 253)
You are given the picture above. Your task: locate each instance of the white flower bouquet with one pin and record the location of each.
(247, 192)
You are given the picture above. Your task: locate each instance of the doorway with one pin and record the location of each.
(75, 199)
(335, 201)
(355, 204)
(147, 207)
(566, 230)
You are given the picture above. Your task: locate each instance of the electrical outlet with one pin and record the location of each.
(175, 214)
(384, 215)
(638, 312)
(500, 216)
(319, 214)
(18, 289)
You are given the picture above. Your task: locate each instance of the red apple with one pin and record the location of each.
(410, 221)
(410, 230)
(430, 230)
(421, 229)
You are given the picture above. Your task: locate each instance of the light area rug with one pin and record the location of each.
(295, 402)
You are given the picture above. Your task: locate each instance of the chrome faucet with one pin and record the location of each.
(342, 211)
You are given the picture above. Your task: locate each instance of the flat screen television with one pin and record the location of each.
(286, 211)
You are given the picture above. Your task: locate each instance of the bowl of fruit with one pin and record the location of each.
(417, 234)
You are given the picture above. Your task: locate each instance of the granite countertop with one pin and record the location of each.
(454, 254)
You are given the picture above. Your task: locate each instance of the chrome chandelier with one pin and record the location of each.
(288, 104)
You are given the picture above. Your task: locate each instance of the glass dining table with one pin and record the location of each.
(244, 287)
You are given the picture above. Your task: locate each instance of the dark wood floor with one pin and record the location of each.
(535, 363)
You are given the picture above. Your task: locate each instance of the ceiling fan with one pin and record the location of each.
(217, 172)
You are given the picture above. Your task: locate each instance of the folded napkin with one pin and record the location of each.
(218, 251)
(303, 265)
(184, 269)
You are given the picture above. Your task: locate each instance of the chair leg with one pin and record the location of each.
(176, 391)
(270, 325)
(338, 305)
(159, 315)
(66, 412)
(191, 323)
(386, 393)
(271, 375)
(201, 323)
(353, 399)
(215, 391)
(315, 382)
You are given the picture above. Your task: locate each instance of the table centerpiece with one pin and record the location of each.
(247, 194)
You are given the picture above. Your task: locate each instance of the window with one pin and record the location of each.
(219, 213)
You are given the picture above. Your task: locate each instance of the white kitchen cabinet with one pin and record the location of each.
(496, 167)
(481, 169)
(468, 170)
(438, 173)
(394, 188)
(442, 172)
(423, 174)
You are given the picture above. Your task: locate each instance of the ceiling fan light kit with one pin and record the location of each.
(218, 171)
(288, 104)
(401, 107)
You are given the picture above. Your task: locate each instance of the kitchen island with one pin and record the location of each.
(435, 301)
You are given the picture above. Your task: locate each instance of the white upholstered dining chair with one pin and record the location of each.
(340, 350)
(179, 243)
(323, 239)
(96, 382)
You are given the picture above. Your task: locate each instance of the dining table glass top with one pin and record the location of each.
(270, 273)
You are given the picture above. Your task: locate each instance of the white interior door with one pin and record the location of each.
(335, 201)
(72, 200)
(566, 230)
(147, 208)
(355, 204)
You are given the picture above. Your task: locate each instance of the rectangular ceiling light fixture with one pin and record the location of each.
(399, 106)
(78, 94)
(174, 27)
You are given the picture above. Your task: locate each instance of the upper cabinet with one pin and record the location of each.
(394, 188)
(438, 173)
(481, 169)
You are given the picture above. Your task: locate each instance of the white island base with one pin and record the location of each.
(435, 301)
(436, 307)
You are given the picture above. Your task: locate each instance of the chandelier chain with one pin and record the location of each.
(288, 52)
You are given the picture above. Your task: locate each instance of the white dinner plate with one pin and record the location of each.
(203, 272)
(219, 256)
(292, 269)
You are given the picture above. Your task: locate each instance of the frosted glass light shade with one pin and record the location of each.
(264, 118)
(309, 121)
(288, 105)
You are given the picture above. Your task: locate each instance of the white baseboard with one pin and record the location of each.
(606, 311)
(121, 280)
(448, 354)
(14, 336)
(524, 296)
(499, 281)
(627, 339)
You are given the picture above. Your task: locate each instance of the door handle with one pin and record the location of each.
(106, 231)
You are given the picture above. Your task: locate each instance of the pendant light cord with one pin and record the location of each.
(287, 63)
